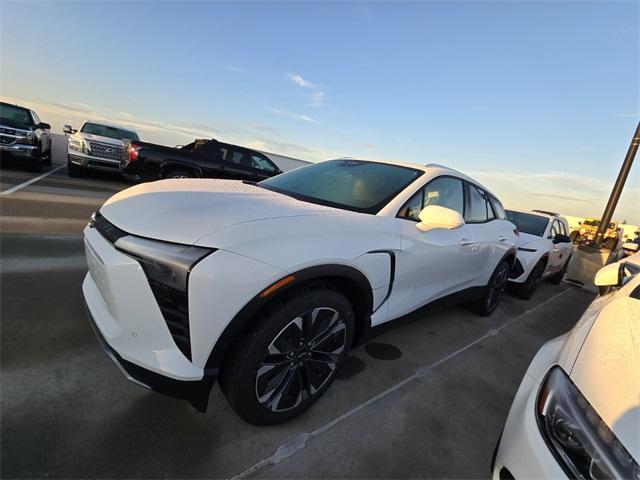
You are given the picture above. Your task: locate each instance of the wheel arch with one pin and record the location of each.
(348, 280)
(169, 165)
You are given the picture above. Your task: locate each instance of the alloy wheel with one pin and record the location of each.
(497, 287)
(301, 359)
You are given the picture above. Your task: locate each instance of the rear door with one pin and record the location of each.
(207, 157)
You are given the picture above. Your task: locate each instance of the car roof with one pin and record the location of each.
(434, 169)
(112, 125)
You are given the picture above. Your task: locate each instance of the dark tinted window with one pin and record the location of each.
(528, 222)
(355, 185)
(478, 206)
(261, 163)
(13, 116)
(109, 132)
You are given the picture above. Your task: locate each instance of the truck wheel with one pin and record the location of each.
(37, 165)
(290, 357)
(73, 170)
(178, 174)
(493, 292)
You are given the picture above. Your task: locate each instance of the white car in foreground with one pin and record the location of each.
(544, 250)
(96, 146)
(577, 411)
(267, 286)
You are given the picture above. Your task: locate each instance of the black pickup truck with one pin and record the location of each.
(201, 158)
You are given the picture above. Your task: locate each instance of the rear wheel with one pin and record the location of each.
(179, 174)
(290, 357)
(494, 291)
(530, 285)
(37, 165)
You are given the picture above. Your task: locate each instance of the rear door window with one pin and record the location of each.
(477, 205)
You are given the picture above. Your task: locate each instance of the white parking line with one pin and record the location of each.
(299, 442)
(9, 191)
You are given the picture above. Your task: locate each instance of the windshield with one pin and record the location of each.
(355, 185)
(110, 132)
(13, 116)
(528, 222)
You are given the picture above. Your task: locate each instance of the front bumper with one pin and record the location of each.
(131, 328)
(94, 163)
(195, 392)
(20, 151)
(522, 451)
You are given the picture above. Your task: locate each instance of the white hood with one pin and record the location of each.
(607, 370)
(527, 239)
(184, 210)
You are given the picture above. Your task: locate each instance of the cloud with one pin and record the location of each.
(233, 68)
(317, 99)
(263, 128)
(301, 82)
(367, 145)
(297, 116)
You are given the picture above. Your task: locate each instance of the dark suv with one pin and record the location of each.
(24, 137)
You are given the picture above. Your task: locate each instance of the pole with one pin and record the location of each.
(617, 187)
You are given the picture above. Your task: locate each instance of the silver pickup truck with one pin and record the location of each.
(23, 137)
(96, 145)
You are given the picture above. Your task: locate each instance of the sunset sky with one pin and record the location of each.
(537, 100)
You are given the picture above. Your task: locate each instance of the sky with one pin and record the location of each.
(537, 100)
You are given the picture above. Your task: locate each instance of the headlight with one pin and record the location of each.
(78, 145)
(582, 443)
(165, 263)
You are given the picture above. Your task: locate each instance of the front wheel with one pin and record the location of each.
(73, 170)
(178, 174)
(290, 358)
(494, 291)
(528, 288)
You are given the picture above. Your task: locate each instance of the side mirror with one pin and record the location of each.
(560, 238)
(609, 276)
(434, 216)
(44, 126)
(68, 129)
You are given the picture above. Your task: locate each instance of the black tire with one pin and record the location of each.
(73, 170)
(178, 174)
(526, 289)
(610, 243)
(493, 292)
(37, 165)
(575, 236)
(556, 278)
(47, 159)
(299, 373)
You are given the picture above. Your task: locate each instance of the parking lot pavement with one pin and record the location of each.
(426, 397)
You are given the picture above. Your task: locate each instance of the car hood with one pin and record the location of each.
(606, 369)
(184, 210)
(101, 139)
(527, 239)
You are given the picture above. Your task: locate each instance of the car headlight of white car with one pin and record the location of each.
(78, 145)
(581, 442)
(166, 263)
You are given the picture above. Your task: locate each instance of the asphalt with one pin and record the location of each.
(426, 397)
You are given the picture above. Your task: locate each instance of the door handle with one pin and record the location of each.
(465, 241)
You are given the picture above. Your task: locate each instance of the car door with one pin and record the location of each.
(432, 263)
(238, 164)
(485, 237)
(262, 167)
(557, 251)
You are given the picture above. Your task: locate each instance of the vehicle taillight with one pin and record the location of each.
(516, 231)
(132, 152)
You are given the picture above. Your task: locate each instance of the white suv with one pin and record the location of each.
(544, 250)
(96, 146)
(268, 286)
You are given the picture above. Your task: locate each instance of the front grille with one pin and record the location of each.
(517, 270)
(108, 230)
(175, 310)
(6, 140)
(104, 150)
